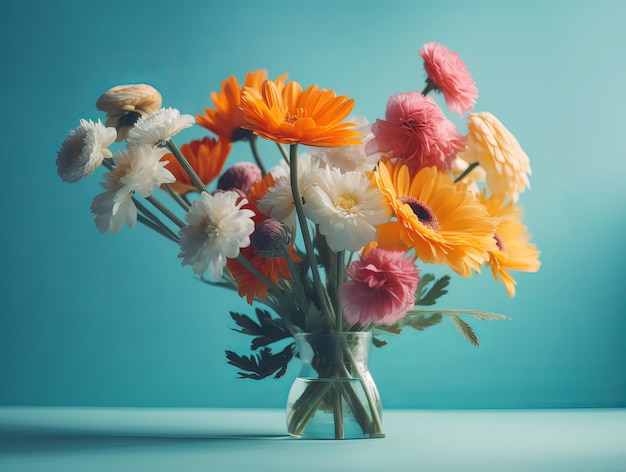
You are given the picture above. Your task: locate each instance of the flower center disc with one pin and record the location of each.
(422, 211)
(346, 202)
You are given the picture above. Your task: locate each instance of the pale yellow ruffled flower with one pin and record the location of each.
(497, 151)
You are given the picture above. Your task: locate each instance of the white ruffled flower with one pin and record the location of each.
(278, 200)
(346, 207)
(349, 158)
(160, 126)
(83, 150)
(217, 228)
(137, 169)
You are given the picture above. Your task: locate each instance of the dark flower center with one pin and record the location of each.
(241, 134)
(499, 243)
(422, 211)
(128, 119)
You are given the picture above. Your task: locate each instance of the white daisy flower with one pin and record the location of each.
(278, 200)
(349, 158)
(346, 207)
(159, 126)
(112, 209)
(83, 150)
(136, 169)
(217, 227)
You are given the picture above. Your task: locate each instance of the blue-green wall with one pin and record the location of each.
(87, 319)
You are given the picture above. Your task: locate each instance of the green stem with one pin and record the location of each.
(306, 236)
(340, 268)
(155, 220)
(255, 154)
(338, 412)
(197, 182)
(166, 211)
(283, 152)
(378, 427)
(163, 232)
(430, 86)
(244, 262)
(299, 289)
(177, 198)
(470, 168)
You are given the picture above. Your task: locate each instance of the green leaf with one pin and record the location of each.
(378, 342)
(462, 326)
(421, 321)
(465, 329)
(261, 365)
(267, 331)
(436, 291)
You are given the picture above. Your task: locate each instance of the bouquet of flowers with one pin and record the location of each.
(334, 237)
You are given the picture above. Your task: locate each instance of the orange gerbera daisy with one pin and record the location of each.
(514, 252)
(207, 157)
(273, 268)
(442, 223)
(226, 118)
(286, 114)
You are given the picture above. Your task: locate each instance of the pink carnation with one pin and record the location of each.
(448, 73)
(382, 288)
(241, 176)
(416, 131)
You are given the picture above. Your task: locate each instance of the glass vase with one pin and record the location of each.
(334, 396)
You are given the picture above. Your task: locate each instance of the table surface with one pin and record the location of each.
(186, 440)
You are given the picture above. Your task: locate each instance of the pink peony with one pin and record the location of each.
(416, 131)
(382, 288)
(447, 73)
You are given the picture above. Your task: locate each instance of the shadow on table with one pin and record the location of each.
(75, 442)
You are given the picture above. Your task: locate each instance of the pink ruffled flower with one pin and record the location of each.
(448, 73)
(416, 131)
(240, 177)
(382, 288)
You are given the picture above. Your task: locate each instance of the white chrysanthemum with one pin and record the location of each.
(346, 207)
(83, 150)
(159, 126)
(349, 158)
(217, 228)
(137, 169)
(495, 148)
(278, 200)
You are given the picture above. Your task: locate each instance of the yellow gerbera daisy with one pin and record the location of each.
(226, 118)
(441, 222)
(514, 252)
(497, 151)
(287, 114)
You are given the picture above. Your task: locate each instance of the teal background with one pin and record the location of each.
(114, 320)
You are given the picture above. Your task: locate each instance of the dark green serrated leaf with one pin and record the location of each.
(436, 291)
(261, 365)
(425, 279)
(267, 331)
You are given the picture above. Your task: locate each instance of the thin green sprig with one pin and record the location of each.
(306, 235)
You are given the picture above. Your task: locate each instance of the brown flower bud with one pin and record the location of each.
(125, 104)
